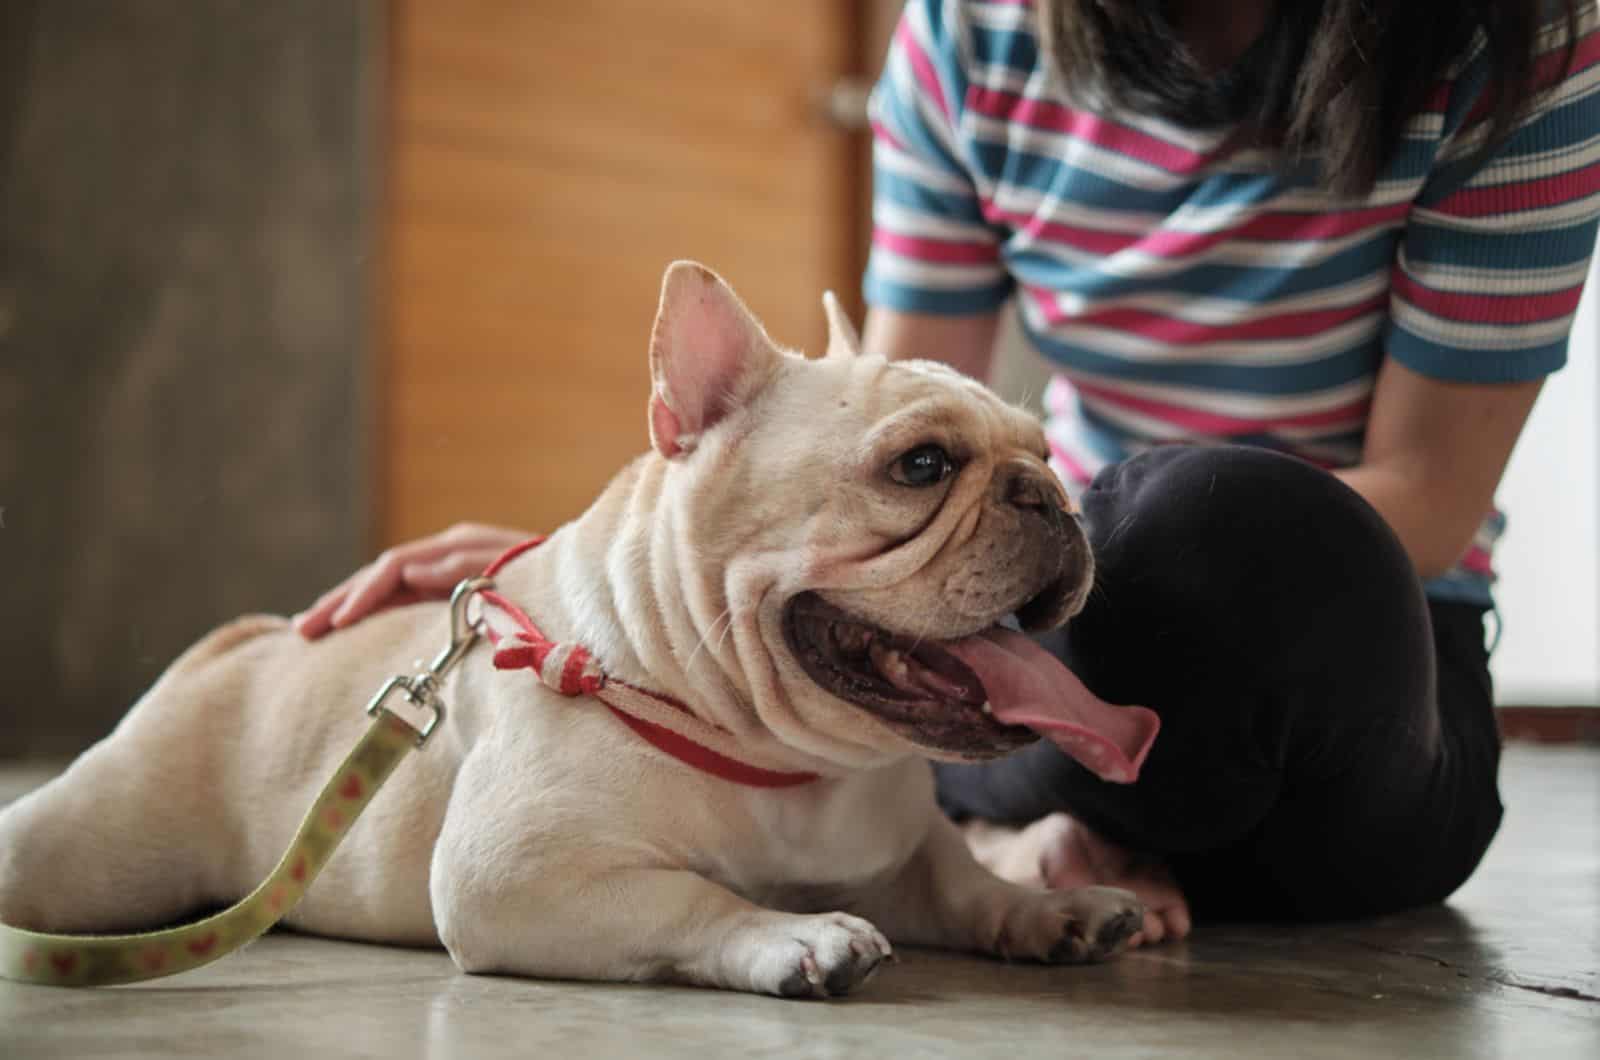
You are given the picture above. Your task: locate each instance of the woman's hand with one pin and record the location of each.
(418, 570)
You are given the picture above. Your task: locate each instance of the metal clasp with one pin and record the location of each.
(422, 688)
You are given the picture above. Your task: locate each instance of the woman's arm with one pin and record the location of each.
(1435, 451)
(964, 342)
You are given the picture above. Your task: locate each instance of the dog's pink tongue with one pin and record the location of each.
(1028, 686)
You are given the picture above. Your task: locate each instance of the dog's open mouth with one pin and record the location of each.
(976, 696)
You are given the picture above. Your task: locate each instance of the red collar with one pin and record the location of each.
(669, 725)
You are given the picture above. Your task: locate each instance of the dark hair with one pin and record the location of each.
(1335, 78)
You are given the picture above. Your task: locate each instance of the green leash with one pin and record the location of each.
(108, 960)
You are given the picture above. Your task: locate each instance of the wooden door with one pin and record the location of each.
(546, 162)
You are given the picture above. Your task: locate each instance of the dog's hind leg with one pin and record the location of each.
(130, 836)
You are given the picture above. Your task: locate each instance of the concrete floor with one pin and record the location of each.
(1511, 968)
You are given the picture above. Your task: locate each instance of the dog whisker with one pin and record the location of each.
(1126, 521)
(726, 613)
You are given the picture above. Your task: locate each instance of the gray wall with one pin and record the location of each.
(185, 217)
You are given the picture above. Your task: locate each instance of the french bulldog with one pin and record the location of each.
(821, 563)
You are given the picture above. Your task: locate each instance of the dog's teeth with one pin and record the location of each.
(889, 662)
(988, 708)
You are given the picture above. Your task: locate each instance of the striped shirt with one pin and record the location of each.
(1186, 290)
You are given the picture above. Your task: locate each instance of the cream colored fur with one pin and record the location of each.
(537, 835)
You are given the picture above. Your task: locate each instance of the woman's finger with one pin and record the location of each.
(317, 619)
(372, 587)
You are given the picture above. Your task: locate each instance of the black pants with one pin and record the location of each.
(1328, 745)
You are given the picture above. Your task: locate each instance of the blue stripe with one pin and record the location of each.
(1016, 49)
(1474, 366)
(906, 192)
(1249, 285)
(1460, 587)
(1186, 369)
(1511, 251)
(879, 291)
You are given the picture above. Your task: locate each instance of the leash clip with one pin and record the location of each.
(422, 688)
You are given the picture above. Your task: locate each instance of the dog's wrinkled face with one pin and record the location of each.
(943, 523)
(874, 524)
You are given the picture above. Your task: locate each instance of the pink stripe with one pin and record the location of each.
(1471, 308)
(1187, 333)
(941, 251)
(1523, 195)
(1081, 125)
(1168, 243)
(1477, 560)
(921, 66)
(1075, 471)
(882, 131)
(1089, 240)
(1211, 423)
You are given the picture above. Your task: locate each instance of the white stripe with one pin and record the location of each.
(1517, 281)
(913, 168)
(900, 219)
(1008, 17)
(1018, 198)
(1427, 126)
(911, 272)
(1503, 337)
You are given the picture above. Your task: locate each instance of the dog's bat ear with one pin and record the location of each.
(843, 341)
(708, 356)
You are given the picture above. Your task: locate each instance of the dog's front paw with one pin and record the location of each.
(824, 955)
(1070, 927)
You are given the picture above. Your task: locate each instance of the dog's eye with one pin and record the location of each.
(926, 465)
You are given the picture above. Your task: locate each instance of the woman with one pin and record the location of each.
(1346, 237)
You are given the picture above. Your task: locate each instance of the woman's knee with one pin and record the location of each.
(1190, 509)
(1242, 551)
